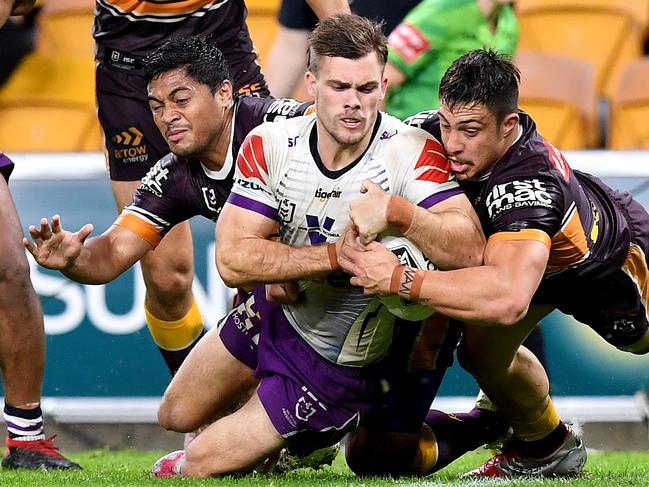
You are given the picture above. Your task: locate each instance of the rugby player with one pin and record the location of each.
(557, 239)
(22, 346)
(196, 111)
(322, 363)
(125, 32)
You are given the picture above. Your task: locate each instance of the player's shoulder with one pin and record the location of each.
(275, 130)
(399, 133)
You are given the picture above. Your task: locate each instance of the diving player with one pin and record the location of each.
(557, 239)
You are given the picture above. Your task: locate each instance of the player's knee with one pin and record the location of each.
(172, 416)
(167, 285)
(479, 362)
(14, 278)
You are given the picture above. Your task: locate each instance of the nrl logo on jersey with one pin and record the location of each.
(153, 180)
(517, 194)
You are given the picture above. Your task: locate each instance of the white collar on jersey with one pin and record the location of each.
(222, 173)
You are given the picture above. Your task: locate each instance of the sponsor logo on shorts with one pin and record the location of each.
(517, 194)
(130, 147)
(242, 317)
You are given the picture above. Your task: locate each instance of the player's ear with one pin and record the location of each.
(510, 123)
(311, 83)
(225, 93)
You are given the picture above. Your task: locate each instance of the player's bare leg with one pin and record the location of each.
(22, 351)
(210, 383)
(173, 318)
(236, 443)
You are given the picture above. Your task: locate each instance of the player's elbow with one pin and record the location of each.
(507, 311)
(226, 263)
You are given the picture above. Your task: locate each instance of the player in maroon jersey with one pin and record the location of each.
(557, 239)
(125, 32)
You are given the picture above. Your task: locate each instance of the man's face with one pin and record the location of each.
(473, 138)
(347, 95)
(190, 118)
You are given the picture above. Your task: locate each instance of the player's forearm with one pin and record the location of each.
(477, 295)
(254, 261)
(98, 263)
(326, 8)
(449, 238)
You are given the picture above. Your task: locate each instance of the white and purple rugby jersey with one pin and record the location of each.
(280, 175)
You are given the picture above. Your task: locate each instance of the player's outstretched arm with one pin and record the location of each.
(245, 256)
(89, 261)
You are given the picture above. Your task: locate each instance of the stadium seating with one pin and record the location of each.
(49, 104)
(559, 93)
(629, 116)
(607, 33)
(64, 27)
(262, 24)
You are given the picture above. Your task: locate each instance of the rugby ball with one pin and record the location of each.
(409, 255)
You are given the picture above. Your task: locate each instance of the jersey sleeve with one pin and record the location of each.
(282, 108)
(253, 189)
(158, 203)
(414, 41)
(527, 208)
(425, 175)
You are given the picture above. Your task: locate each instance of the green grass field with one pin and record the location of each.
(130, 468)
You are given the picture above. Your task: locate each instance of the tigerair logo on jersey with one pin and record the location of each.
(323, 195)
(129, 146)
(517, 194)
(433, 160)
(251, 160)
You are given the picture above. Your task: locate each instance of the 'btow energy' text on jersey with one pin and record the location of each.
(280, 175)
(177, 188)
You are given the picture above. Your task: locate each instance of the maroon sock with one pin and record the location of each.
(458, 433)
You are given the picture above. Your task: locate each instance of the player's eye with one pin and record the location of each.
(182, 101)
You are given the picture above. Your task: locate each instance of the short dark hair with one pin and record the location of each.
(482, 77)
(203, 62)
(347, 36)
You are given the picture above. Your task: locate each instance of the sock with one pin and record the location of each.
(458, 433)
(24, 424)
(545, 446)
(175, 339)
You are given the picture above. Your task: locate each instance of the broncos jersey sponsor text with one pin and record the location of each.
(517, 194)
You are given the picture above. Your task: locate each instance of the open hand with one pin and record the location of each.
(52, 246)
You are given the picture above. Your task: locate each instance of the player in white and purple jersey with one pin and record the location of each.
(324, 361)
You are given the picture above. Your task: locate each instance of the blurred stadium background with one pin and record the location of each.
(585, 81)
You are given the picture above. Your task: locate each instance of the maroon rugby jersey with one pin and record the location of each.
(532, 193)
(126, 28)
(178, 188)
